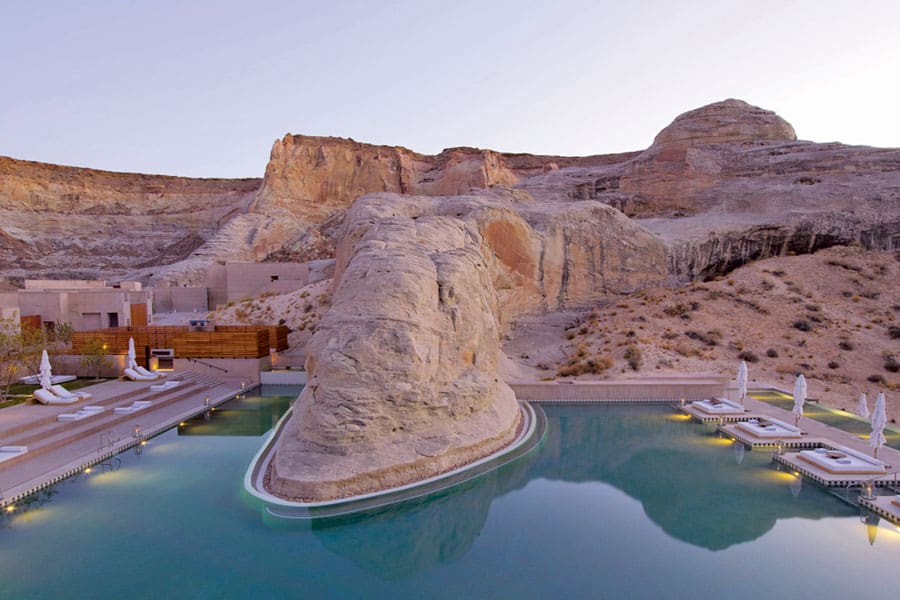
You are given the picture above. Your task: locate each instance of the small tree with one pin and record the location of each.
(32, 341)
(9, 355)
(62, 333)
(93, 356)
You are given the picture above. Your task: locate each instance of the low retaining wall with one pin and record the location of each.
(657, 390)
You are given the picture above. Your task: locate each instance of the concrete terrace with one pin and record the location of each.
(57, 449)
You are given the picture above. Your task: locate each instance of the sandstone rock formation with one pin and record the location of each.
(402, 369)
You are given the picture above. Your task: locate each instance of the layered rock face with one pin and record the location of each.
(66, 221)
(402, 369)
(729, 183)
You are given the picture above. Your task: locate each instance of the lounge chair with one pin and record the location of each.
(87, 411)
(8, 452)
(135, 376)
(142, 371)
(47, 397)
(135, 406)
(166, 385)
(65, 394)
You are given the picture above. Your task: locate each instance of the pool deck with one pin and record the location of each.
(883, 506)
(57, 449)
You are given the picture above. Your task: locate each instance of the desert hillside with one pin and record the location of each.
(833, 316)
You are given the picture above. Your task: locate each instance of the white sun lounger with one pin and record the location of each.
(87, 411)
(164, 386)
(135, 376)
(135, 406)
(8, 452)
(66, 394)
(47, 397)
(142, 371)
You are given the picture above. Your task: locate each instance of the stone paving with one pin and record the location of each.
(58, 449)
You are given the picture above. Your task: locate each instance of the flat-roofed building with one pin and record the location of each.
(85, 304)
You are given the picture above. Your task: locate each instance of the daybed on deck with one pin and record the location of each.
(718, 406)
(843, 461)
(767, 428)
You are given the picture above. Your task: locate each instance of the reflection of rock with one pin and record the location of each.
(694, 491)
(406, 539)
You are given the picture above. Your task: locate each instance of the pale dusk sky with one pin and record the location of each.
(203, 88)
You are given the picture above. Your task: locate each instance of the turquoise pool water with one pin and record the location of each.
(618, 502)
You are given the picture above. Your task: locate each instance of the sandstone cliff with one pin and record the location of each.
(729, 183)
(722, 185)
(66, 221)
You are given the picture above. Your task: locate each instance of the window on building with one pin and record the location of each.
(274, 277)
(113, 319)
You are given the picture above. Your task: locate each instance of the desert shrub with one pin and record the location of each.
(766, 285)
(833, 365)
(676, 310)
(749, 356)
(891, 364)
(633, 356)
(876, 378)
(778, 273)
(802, 325)
(846, 345)
(542, 366)
(772, 353)
(710, 338)
(669, 335)
(570, 336)
(894, 332)
(813, 307)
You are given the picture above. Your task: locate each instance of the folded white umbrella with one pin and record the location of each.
(46, 371)
(132, 355)
(862, 407)
(799, 398)
(742, 381)
(879, 420)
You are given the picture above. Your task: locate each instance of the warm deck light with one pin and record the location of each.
(87, 470)
(11, 508)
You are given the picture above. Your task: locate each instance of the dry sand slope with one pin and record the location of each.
(833, 316)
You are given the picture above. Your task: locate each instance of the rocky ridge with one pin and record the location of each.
(62, 221)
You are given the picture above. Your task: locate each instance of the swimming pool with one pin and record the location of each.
(619, 502)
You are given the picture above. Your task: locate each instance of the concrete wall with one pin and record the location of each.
(84, 309)
(244, 280)
(51, 306)
(63, 284)
(180, 299)
(216, 285)
(70, 364)
(669, 390)
(246, 369)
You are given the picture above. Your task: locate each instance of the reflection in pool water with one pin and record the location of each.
(620, 501)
